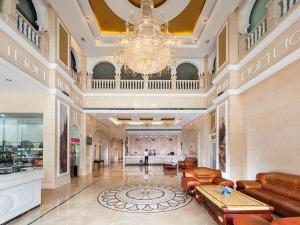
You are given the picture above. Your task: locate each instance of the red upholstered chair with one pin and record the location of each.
(255, 220)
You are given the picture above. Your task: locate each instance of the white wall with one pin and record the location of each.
(162, 144)
(273, 123)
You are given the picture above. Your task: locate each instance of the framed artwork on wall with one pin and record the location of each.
(63, 46)
(222, 46)
(63, 139)
(222, 137)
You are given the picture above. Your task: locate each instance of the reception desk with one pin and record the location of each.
(153, 160)
(19, 192)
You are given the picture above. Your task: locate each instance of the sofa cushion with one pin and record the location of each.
(295, 195)
(282, 205)
(287, 221)
(263, 195)
(288, 208)
(281, 183)
(206, 175)
(249, 220)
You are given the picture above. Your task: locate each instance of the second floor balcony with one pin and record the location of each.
(147, 86)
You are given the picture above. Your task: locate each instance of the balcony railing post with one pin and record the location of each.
(146, 81)
(89, 82)
(118, 82)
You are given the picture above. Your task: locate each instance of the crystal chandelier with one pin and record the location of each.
(148, 47)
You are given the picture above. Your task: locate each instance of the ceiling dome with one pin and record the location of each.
(157, 3)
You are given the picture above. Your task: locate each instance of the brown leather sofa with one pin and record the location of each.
(255, 220)
(280, 190)
(188, 163)
(204, 176)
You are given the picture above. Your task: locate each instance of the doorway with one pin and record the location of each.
(74, 152)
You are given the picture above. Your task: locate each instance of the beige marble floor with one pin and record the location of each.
(84, 208)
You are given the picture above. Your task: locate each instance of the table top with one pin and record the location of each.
(236, 201)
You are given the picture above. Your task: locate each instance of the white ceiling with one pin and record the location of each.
(182, 117)
(74, 15)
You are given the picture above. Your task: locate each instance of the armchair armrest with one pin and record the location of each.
(245, 184)
(223, 182)
(188, 173)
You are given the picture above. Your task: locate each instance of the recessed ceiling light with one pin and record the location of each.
(8, 80)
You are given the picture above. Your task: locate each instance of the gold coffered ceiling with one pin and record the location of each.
(183, 24)
(157, 3)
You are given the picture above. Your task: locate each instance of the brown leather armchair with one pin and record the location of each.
(279, 190)
(255, 220)
(188, 163)
(202, 175)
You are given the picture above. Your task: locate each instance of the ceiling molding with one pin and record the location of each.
(171, 9)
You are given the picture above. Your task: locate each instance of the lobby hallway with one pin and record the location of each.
(90, 205)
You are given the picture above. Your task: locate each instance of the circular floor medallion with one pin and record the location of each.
(144, 198)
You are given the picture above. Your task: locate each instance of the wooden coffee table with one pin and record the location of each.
(225, 208)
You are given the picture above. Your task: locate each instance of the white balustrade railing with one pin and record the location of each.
(28, 30)
(256, 33)
(160, 84)
(188, 84)
(132, 84)
(75, 76)
(144, 85)
(286, 5)
(98, 84)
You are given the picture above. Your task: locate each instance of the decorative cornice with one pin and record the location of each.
(65, 97)
(224, 72)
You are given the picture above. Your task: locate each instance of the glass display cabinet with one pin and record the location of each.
(21, 142)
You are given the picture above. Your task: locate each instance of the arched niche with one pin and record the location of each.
(128, 74)
(257, 13)
(187, 71)
(35, 11)
(28, 10)
(248, 10)
(104, 70)
(74, 61)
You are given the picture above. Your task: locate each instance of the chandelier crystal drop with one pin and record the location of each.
(148, 47)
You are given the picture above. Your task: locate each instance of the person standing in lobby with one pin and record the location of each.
(146, 154)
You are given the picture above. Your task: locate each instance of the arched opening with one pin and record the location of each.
(187, 71)
(73, 62)
(257, 13)
(105, 71)
(128, 74)
(214, 67)
(100, 148)
(27, 9)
